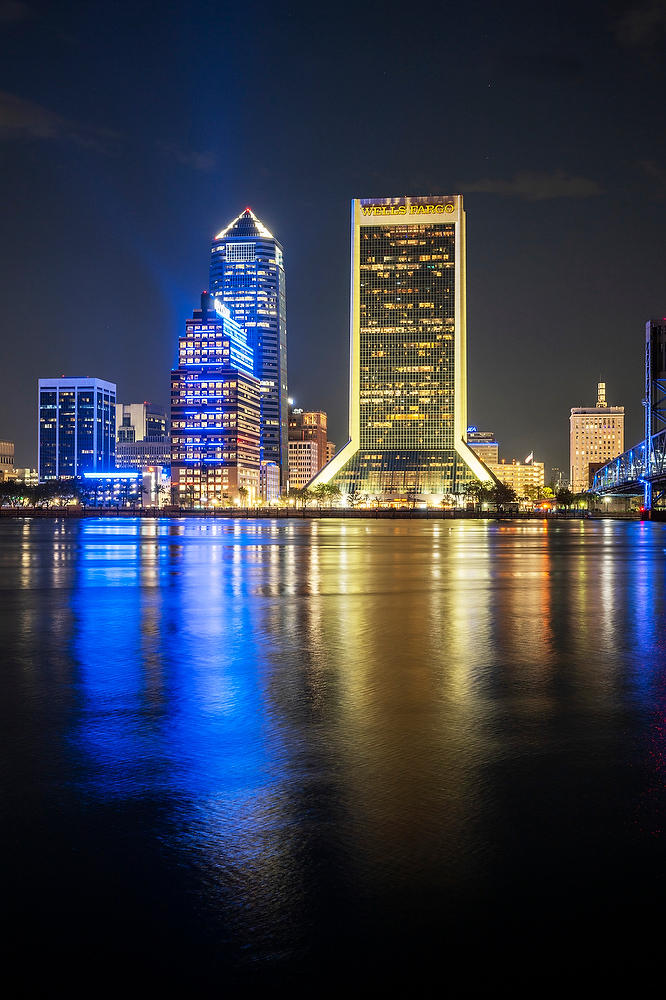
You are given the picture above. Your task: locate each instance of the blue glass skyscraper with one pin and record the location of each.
(77, 427)
(247, 273)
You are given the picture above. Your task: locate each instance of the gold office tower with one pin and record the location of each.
(407, 397)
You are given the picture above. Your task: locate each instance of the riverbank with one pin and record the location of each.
(307, 513)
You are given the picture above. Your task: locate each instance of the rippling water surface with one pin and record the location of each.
(242, 751)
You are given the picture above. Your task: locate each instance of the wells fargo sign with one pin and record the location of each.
(434, 209)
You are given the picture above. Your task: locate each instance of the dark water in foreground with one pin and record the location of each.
(240, 751)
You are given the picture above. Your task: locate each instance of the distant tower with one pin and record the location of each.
(596, 434)
(247, 274)
(77, 427)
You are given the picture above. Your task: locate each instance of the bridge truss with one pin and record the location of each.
(642, 469)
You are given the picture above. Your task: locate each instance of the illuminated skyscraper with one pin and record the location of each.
(247, 273)
(214, 411)
(407, 398)
(77, 427)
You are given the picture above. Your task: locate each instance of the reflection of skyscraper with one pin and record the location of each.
(77, 427)
(247, 273)
(408, 404)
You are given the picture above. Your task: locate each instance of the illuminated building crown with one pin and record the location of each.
(246, 225)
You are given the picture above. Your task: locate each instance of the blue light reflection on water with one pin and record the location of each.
(173, 655)
(359, 722)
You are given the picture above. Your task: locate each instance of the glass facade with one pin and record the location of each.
(247, 274)
(407, 328)
(407, 405)
(215, 412)
(77, 427)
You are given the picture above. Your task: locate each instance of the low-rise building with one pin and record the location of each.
(139, 454)
(113, 489)
(6, 460)
(155, 486)
(520, 476)
(28, 476)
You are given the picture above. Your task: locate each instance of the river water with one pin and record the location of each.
(242, 752)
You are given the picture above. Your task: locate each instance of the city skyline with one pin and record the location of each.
(261, 231)
(217, 284)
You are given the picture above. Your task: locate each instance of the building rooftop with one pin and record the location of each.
(246, 226)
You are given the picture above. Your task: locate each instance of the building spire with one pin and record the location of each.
(256, 229)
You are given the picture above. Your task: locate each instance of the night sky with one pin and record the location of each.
(131, 133)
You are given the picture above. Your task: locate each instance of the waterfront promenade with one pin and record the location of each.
(307, 513)
(300, 513)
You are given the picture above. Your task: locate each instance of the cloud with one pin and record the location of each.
(12, 11)
(21, 119)
(657, 174)
(536, 186)
(25, 119)
(642, 24)
(204, 162)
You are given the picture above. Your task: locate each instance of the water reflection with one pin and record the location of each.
(335, 716)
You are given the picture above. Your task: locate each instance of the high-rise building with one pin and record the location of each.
(6, 459)
(140, 422)
(247, 274)
(483, 444)
(330, 450)
(596, 434)
(214, 411)
(408, 406)
(77, 427)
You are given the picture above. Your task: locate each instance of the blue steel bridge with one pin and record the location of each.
(642, 469)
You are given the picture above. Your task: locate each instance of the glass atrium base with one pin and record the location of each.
(394, 475)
